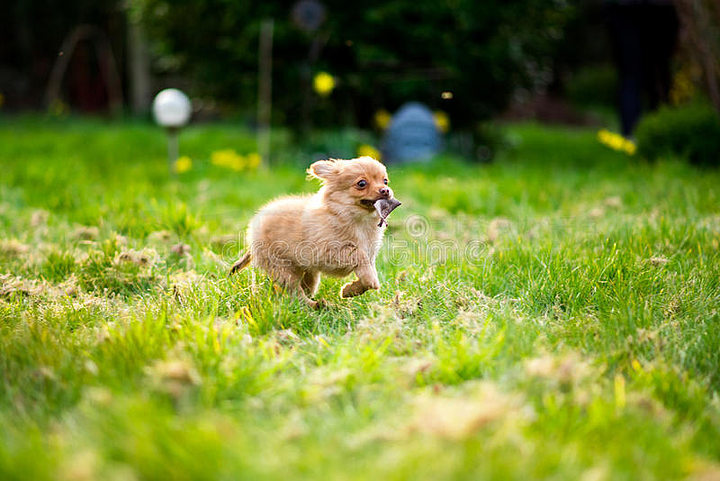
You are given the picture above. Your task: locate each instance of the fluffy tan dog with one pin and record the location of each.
(335, 232)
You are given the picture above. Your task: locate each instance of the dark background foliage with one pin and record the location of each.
(31, 33)
(382, 53)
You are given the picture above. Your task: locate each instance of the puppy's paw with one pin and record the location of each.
(317, 304)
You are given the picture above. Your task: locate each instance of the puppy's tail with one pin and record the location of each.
(241, 264)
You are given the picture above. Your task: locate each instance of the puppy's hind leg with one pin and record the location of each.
(292, 281)
(241, 264)
(310, 283)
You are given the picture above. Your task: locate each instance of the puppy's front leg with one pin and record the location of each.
(367, 279)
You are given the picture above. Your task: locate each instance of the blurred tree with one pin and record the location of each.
(701, 41)
(382, 53)
(31, 35)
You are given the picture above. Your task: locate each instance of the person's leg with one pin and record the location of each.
(660, 42)
(625, 36)
(630, 100)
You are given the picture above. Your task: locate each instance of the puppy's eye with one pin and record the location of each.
(362, 184)
(385, 180)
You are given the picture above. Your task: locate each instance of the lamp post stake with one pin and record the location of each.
(172, 110)
(172, 133)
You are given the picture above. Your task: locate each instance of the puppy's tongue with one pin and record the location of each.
(384, 207)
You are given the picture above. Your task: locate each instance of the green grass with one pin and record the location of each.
(551, 315)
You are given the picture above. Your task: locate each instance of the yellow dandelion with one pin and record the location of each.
(253, 160)
(630, 148)
(365, 150)
(230, 159)
(220, 157)
(382, 119)
(442, 121)
(323, 83)
(602, 136)
(227, 158)
(616, 142)
(183, 164)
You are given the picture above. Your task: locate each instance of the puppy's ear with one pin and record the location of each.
(323, 169)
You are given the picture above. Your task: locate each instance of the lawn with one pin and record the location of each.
(553, 314)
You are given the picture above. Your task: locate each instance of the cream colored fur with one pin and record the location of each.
(295, 239)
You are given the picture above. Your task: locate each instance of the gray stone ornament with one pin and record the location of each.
(412, 135)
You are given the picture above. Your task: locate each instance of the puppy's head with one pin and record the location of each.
(356, 183)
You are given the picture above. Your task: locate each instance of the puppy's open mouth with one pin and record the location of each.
(370, 204)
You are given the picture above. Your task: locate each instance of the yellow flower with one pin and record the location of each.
(365, 150)
(222, 158)
(382, 119)
(229, 159)
(253, 160)
(323, 83)
(630, 148)
(616, 142)
(183, 164)
(442, 121)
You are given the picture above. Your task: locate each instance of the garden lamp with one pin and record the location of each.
(172, 109)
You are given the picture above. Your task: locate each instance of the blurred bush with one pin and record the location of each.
(381, 54)
(593, 86)
(691, 131)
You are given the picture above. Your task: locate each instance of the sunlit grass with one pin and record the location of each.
(553, 314)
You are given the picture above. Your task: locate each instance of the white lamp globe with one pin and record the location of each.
(171, 108)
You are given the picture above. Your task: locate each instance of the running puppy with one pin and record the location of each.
(335, 232)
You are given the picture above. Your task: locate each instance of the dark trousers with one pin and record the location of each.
(643, 37)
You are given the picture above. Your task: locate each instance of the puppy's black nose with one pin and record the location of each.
(385, 192)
